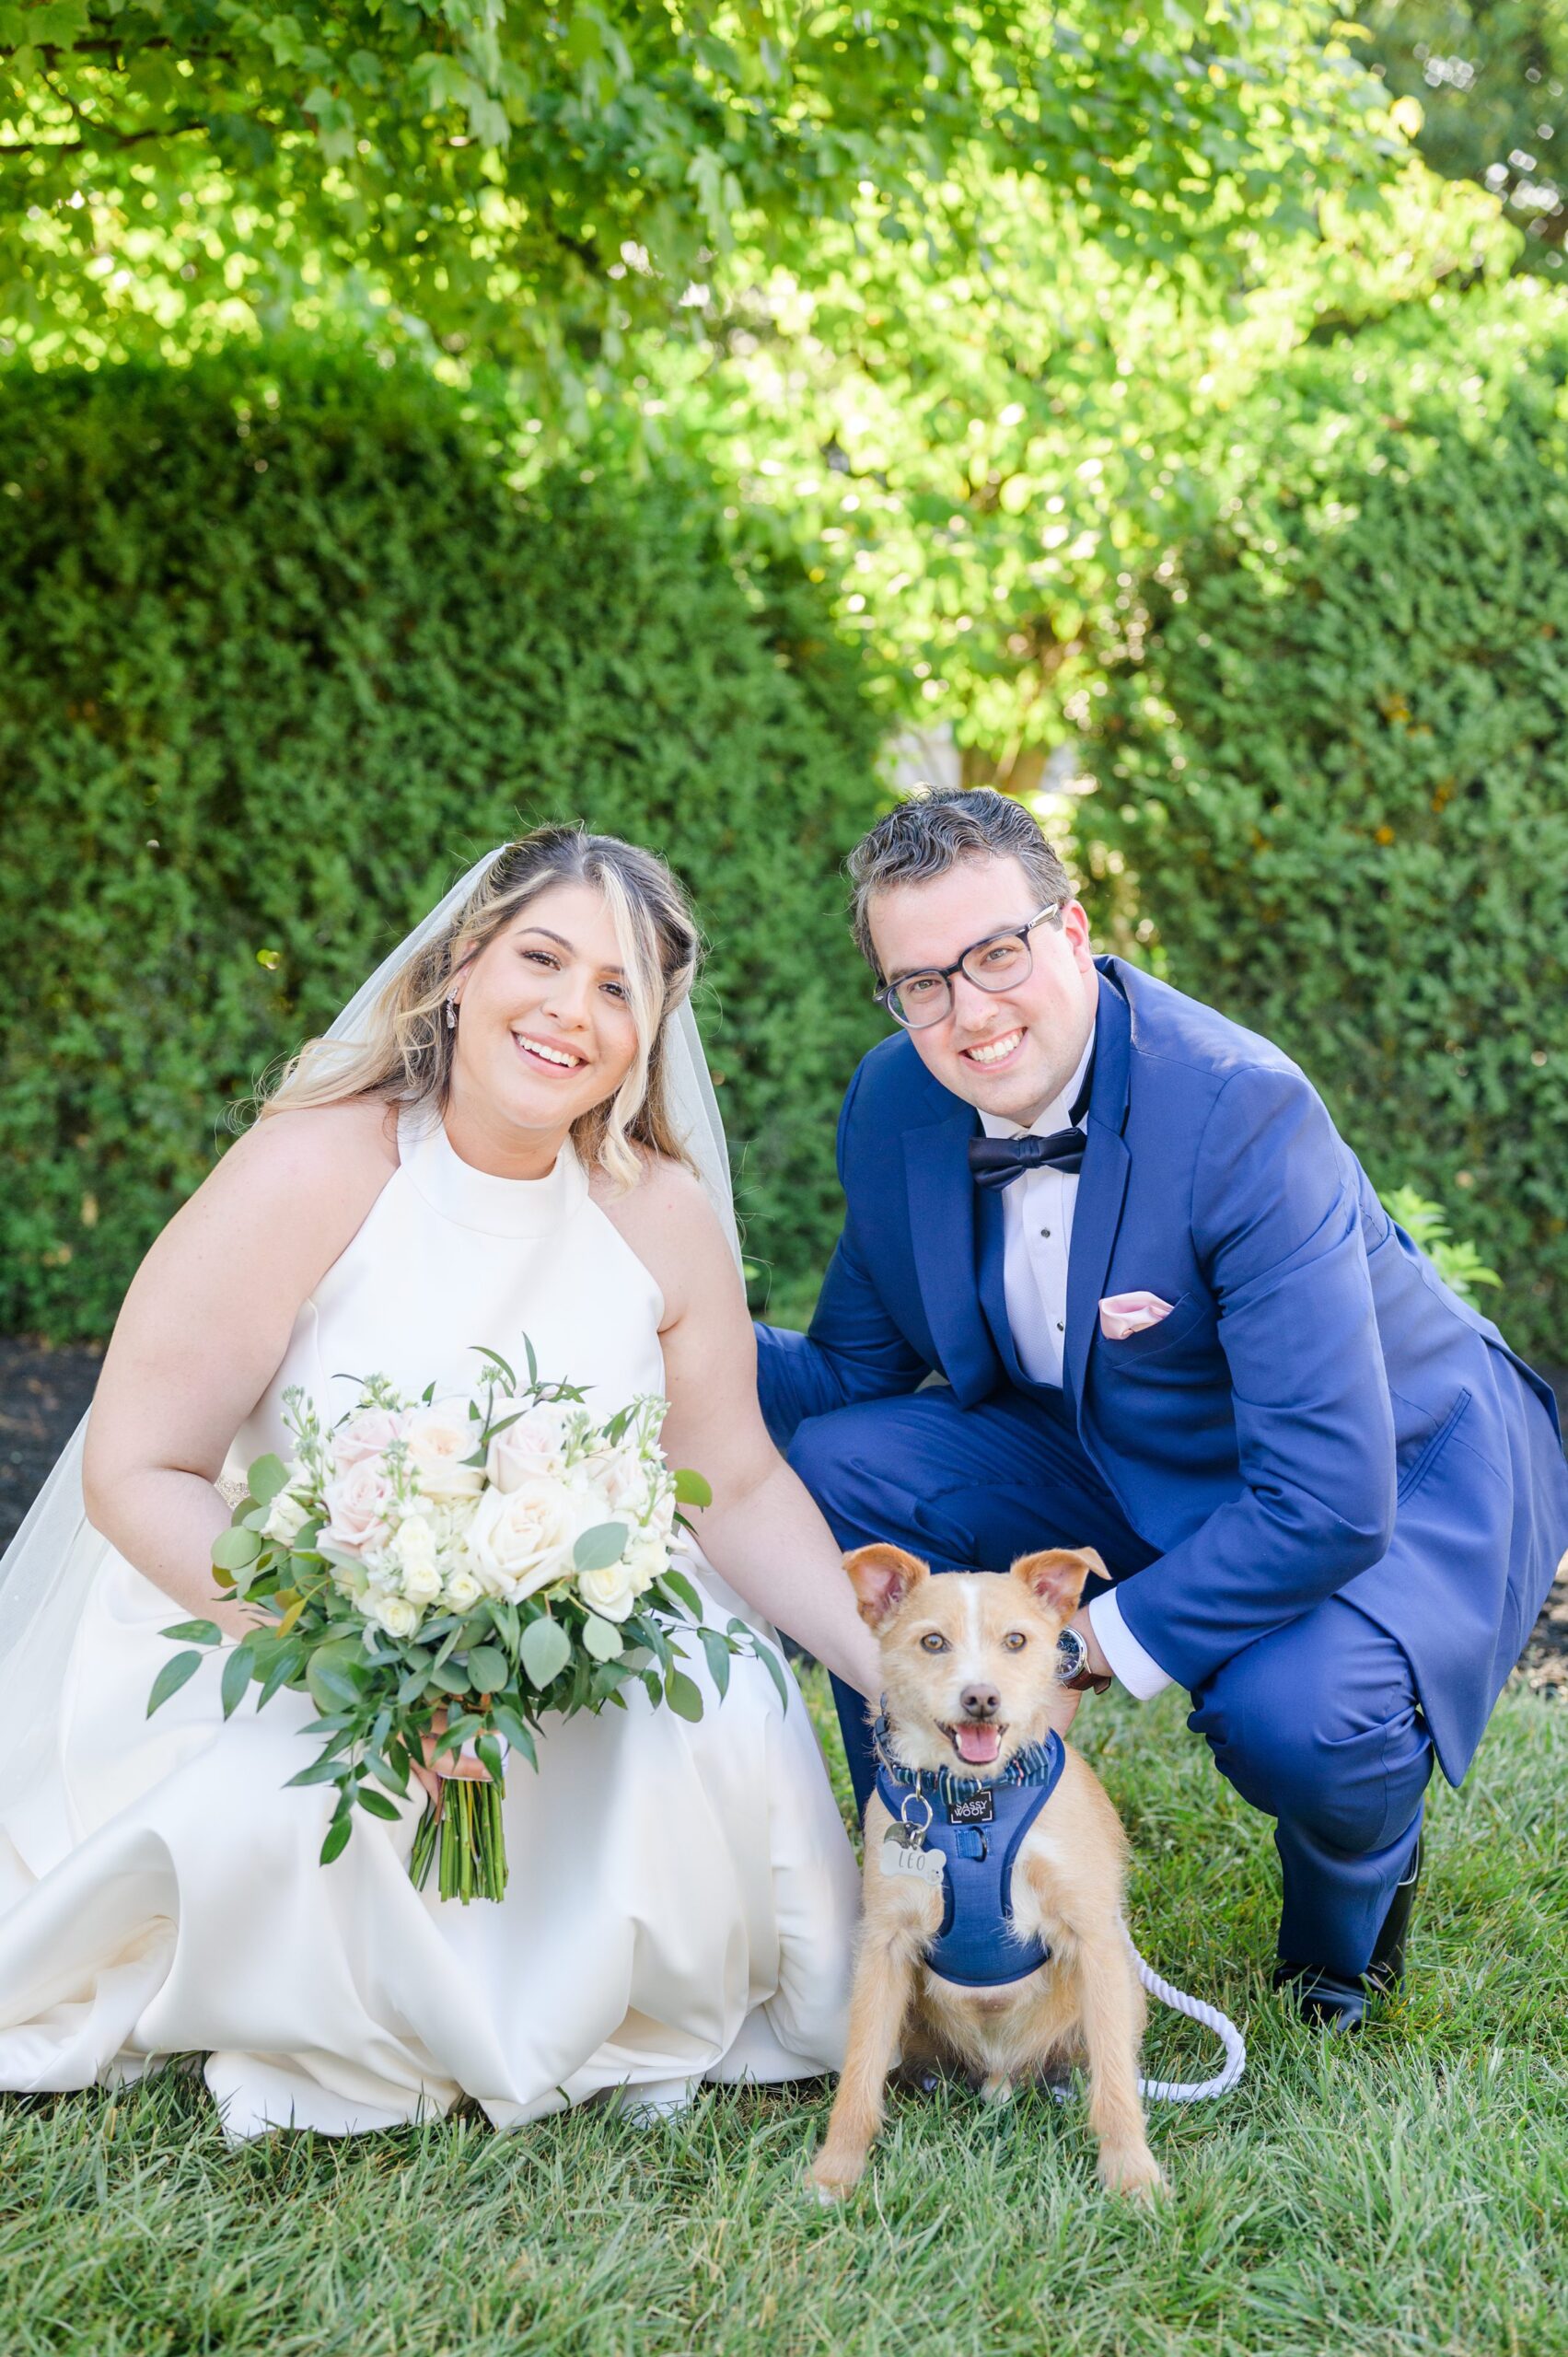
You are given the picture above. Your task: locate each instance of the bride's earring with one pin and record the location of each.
(451, 1015)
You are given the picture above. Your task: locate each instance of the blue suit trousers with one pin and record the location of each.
(1317, 1724)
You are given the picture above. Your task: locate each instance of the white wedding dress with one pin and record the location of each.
(681, 1898)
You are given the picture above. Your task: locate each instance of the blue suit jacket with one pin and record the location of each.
(1318, 1414)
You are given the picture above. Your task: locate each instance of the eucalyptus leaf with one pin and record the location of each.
(602, 1638)
(266, 1478)
(599, 1548)
(516, 1730)
(546, 1649)
(171, 1677)
(488, 1752)
(488, 1668)
(692, 1489)
(235, 1550)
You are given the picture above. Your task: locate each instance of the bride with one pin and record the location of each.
(501, 1137)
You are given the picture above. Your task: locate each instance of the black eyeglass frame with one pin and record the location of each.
(887, 992)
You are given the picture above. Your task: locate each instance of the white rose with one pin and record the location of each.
(520, 1539)
(370, 1434)
(414, 1548)
(287, 1518)
(532, 1448)
(620, 1479)
(422, 1581)
(395, 1614)
(610, 1593)
(463, 1591)
(438, 1438)
(358, 1503)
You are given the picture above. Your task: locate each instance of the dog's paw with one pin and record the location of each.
(1134, 2172)
(996, 2089)
(834, 2180)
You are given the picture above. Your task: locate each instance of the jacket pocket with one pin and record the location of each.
(1425, 1458)
(1135, 1351)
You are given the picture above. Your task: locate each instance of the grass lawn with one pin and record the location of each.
(1406, 2194)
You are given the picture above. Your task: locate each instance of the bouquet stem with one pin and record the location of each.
(467, 1837)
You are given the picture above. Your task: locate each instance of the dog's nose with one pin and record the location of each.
(980, 1701)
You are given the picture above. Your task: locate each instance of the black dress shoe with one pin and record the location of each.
(1325, 2000)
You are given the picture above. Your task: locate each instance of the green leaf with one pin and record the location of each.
(488, 1668)
(683, 1695)
(195, 1632)
(336, 1842)
(516, 1730)
(488, 1753)
(716, 1648)
(602, 1638)
(775, 1668)
(599, 1548)
(546, 1649)
(692, 1489)
(266, 1478)
(235, 1677)
(377, 1804)
(171, 1677)
(331, 1673)
(235, 1551)
(680, 1587)
(321, 1771)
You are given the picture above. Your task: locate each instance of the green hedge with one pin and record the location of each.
(281, 651)
(1333, 791)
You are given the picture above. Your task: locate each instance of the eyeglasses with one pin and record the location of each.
(996, 963)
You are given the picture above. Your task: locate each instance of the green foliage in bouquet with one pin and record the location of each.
(1334, 769)
(484, 1645)
(283, 652)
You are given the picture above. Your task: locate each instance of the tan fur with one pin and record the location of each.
(1084, 2005)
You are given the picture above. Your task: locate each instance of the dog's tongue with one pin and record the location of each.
(978, 1746)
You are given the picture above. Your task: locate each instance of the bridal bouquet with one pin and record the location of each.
(453, 1569)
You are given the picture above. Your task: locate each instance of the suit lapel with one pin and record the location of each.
(1102, 1182)
(942, 1225)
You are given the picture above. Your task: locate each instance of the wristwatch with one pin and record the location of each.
(1073, 1668)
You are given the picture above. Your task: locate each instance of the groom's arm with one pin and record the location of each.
(854, 1349)
(1278, 1226)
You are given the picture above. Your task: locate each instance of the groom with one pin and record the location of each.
(1168, 1318)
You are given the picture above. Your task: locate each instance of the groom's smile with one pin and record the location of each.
(1007, 1052)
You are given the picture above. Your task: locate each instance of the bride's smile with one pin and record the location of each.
(545, 1030)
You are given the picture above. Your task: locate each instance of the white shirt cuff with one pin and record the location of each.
(1131, 1667)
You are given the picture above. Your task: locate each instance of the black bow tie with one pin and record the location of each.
(996, 1162)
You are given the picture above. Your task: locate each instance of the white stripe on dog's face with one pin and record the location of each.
(970, 1661)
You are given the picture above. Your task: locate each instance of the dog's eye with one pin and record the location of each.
(1015, 1641)
(933, 1642)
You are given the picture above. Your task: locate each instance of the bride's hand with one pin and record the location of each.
(433, 1773)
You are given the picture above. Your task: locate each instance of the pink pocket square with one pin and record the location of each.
(1121, 1314)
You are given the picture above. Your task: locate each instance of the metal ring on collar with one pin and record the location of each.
(926, 1804)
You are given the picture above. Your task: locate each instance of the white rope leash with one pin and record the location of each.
(1230, 2038)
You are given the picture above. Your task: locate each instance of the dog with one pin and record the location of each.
(970, 1677)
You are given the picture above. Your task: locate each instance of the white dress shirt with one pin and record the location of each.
(1037, 1228)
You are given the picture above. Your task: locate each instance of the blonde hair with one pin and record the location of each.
(407, 1054)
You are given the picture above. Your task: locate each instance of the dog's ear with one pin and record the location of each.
(1057, 1576)
(881, 1577)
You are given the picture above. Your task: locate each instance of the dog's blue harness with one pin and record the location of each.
(976, 1945)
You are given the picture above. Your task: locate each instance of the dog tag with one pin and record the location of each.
(904, 1855)
(974, 1808)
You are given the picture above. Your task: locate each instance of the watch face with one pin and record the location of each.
(1073, 1653)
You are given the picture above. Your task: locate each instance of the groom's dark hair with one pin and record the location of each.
(936, 829)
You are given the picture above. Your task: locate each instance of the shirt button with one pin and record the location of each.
(1045, 1231)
